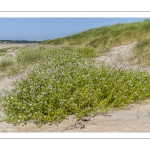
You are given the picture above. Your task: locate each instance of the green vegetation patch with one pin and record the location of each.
(5, 63)
(68, 83)
(29, 55)
(142, 52)
(4, 50)
(2, 53)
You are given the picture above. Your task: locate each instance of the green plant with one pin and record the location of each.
(5, 63)
(2, 53)
(142, 52)
(4, 50)
(67, 83)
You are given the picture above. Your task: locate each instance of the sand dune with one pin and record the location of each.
(134, 118)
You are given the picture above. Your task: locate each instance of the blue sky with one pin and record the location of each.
(51, 28)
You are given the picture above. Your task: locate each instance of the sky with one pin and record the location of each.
(39, 29)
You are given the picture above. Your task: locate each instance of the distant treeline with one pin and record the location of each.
(18, 41)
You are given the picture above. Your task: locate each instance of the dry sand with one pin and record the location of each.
(134, 118)
(121, 56)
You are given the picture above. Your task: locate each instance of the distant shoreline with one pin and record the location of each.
(6, 45)
(17, 43)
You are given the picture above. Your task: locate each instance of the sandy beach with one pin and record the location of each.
(3, 45)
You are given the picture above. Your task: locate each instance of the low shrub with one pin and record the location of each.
(67, 83)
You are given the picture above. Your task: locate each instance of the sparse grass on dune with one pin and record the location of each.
(29, 55)
(142, 52)
(3, 51)
(8, 65)
(26, 56)
(5, 63)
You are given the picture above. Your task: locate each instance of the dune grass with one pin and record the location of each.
(5, 63)
(142, 52)
(107, 36)
(26, 56)
(3, 51)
